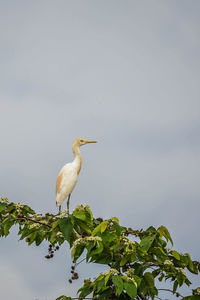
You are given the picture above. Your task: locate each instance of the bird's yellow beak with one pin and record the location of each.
(87, 142)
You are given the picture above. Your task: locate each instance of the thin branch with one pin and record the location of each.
(160, 298)
(80, 263)
(133, 232)
(168, 290)
(34, 221)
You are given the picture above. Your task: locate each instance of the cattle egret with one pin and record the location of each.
(68, 176)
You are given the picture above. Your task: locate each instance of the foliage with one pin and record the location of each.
(135, 258)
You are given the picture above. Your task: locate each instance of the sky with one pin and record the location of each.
(124, 73)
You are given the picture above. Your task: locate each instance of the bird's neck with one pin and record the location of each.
(77, 158)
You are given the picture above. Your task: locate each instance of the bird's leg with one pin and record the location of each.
(59, 209)
(68, 202)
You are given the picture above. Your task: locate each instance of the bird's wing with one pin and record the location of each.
(58, 181)
(65, 182)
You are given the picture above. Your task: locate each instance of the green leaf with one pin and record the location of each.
(39, 239)
(184, 260)
(163, 231)
(108, 237)
(149, 279)
(7, 225)
(153, 292)
(66, 228)
(137, 280)
(133, 257)
(161, 277)
(151, 229)
(146, 243)
(175, 285)
(107, 278)
(190, 263)
(116, 219)
(31, 237)
(98, 249)
(162, 251)
(101, 276)
(103, 258)
(124, 260)
(80, 214)
(96, 230)
(53, 235)
(118, 283)
(77, 250)
(131, 289)
(188, 282)
(104, 225)
(85, 291)
(89, 212)
(180, 278)
(196, 292)
(176, 255)
(100, 284)
(63, 298)
(83, 226)
(83, 213)
(117, 228)
(2, 206)
(100, 228)
(26, 209)
(55, 224)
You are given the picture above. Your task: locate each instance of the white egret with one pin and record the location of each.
(68, 176)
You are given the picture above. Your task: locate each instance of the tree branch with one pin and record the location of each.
(34, 221)
(168, 290)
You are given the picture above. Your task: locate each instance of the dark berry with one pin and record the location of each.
(100, 219)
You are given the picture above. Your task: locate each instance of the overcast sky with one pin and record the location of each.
(125, 73)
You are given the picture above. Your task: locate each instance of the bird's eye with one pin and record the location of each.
(81, 141)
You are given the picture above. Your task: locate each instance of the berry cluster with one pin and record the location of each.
(49, 215)
(100, 219)
(51, 250)
(21, 217)
(74, 274)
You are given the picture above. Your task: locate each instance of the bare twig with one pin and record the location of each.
(158, 298)
(168, 290)
(80, 261)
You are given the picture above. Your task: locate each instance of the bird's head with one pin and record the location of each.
(80, 142)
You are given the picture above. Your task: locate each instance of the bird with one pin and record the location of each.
(68, 175)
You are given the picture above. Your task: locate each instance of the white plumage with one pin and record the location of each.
(68, 176)
(69, 179)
